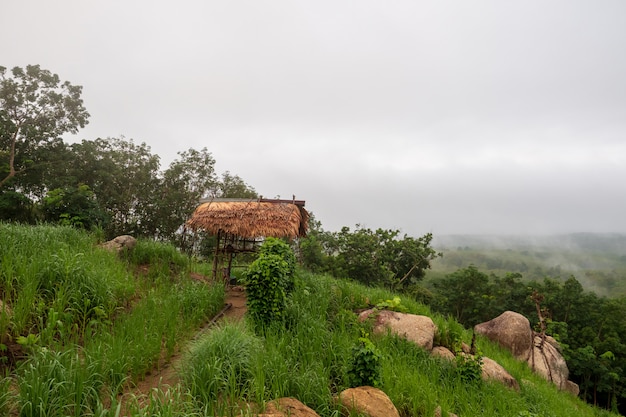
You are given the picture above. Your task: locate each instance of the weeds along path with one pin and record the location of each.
(167, 374)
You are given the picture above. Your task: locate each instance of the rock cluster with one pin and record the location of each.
(542, 353)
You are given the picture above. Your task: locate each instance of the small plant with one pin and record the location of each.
(450, 335)
(394, 304)
(469, 368)
(365, 367)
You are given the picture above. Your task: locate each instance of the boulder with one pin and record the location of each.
(284, 407)
(548, 362)
(442, 352)
(120, 243)
(417, 329)
(510, 330)
(572, 388)
(368, 400)
(492, 370)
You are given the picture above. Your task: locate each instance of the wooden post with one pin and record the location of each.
(215, 256)
(230, 262)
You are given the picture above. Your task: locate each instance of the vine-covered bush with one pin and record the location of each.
(273, 246)
(269, 280)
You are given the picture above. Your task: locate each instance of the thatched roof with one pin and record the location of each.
(251, 219)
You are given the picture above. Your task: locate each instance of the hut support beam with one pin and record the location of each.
(216, 255)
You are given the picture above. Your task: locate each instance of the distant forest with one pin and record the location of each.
(598, 261)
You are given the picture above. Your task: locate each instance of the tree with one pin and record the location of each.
(73, 206)
(35, 108)
(232, 186)
(124, 179)
(377, 257)
(188, 179)
(465, 294)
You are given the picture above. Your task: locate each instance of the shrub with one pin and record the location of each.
(273, 246)
(266, 297)
(365, 368)
(269, 280)
(469, 368)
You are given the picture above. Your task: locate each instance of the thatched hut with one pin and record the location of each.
(238, 224)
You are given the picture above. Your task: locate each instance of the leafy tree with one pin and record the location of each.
(318, 247)
(124, 178)
(465, 294)
(188, 179)
(15, 206)
(232, 186)
(377, 257)
(35, 108)
(73, 206)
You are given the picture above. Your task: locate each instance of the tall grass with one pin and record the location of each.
(57, 286)
(59, 384)
(308, 357)
(150, 333)
(162, 259)
(44, 267)
(55, 283)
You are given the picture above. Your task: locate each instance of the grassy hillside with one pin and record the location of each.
(94, 324)
(598, 261)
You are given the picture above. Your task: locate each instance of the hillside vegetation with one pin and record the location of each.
(80, 324)
(598, 261)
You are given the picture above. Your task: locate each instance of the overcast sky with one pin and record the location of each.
(425, 116)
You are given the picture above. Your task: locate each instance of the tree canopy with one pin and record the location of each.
(35, 107)
(114, 183)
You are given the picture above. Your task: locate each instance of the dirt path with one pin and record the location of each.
(167, 373)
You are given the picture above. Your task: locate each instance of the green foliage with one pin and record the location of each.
(265, 291)
(35, 108)
(274, 246)
(123, 176)
(450, 334)
(16, 207)
(73, 207)
(55, 277)
(379, 257)
(162, 259)
(469, 368)
(308, 355)
(221, 364)
(269, 280)
(136, 342)
(233, 186)
(364, 369)
(394, 304)
(59, 384)
(189, 178)
(464, 294)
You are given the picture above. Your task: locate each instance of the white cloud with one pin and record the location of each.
(483, 116)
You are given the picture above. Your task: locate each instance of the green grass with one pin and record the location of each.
(308, 358)
(45, 268)
(84, 353)
(89, 326)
